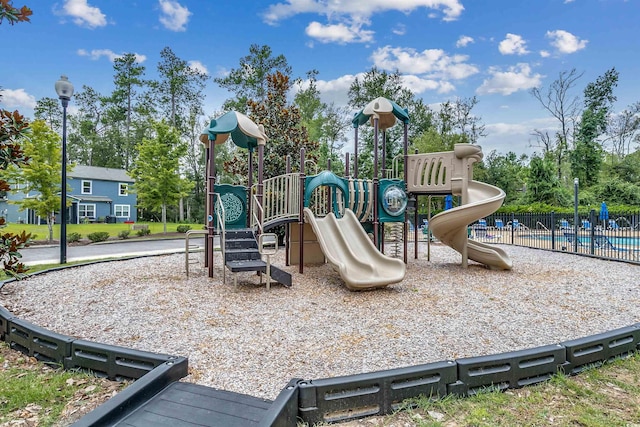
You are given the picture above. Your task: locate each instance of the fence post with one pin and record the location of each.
(513, 216)
(592, 215)
(553, 231)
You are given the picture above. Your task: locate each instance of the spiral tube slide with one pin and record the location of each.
(450, 226)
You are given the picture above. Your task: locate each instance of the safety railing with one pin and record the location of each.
(189, 248)
(280, 199)
(220, 221)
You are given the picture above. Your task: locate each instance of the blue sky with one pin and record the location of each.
(496, 50)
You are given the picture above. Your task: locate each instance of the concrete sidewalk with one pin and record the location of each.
(50, 254)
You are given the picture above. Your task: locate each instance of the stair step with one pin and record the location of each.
(240, 243)
(246, 265)
(241, 233)
(241, 254)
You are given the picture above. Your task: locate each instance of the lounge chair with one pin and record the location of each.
(602, 242)
(613, 225)
(564, 225)
(499, 224)
(571, 237)
(586, 224)
(482, 223)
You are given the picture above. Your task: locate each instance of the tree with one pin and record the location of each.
(623, 129)
(249, 80)
(13, 14)
(281, 121)
(13, 130)
(179, 89)
(379, 83)
(456, 123)
(48, 109)
(505, 172)
(157, 170)
(586, 158)
(326, 124)
(86, 142)
(42, 174)
(122, 105)
(333, 134)
(543, 184)
(564, 107)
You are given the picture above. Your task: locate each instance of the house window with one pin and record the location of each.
(86, 210)
(123, 189)
(122, 211)
(86, 187)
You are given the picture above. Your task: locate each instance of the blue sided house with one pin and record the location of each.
(95, 194)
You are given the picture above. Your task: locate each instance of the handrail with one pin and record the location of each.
(280, 199)
(187, 235)
(257, 220)
(221, 217)
(538, 223)
(272, 244)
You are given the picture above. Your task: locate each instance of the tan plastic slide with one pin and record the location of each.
(450, 226)
(352, 254)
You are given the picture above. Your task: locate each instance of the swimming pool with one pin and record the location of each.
(585, 239)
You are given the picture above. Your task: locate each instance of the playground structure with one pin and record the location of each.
(158, 397)
(299, 202)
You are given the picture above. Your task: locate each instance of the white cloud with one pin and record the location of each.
(198, 66)
(400, 30)
(513, 44)
(463, 41)
(17, 99)
(451, 9)
(565, 42)
(434, 63)
(516, 78)
(83, 14)
(418, 84)
(96, 54)
(545, 53)
(174, 16)
(338, 33)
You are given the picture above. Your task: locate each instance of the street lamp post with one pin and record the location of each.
(64, 89)
(576, 219)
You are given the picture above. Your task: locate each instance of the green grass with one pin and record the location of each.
(29, 389)
(601, 397)
(41, 232)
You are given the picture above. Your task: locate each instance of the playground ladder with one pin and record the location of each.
(242, 253)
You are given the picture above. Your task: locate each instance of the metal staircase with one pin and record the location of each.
(243, 252)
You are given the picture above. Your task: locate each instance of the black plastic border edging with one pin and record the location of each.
(283, 411)
(380, 393)
(5, 318)
(324, 400)
(117, 407)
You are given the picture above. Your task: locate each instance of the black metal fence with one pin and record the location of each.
(615, 237)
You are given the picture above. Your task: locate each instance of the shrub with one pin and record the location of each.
(124, 234)
(98, 236)
(183, 228)
(143, 232)
(74, 237)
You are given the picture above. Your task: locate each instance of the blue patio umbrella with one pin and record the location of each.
(448, 202)
(604, 213)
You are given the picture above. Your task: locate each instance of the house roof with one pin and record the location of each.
(85, 198)
(104, 174)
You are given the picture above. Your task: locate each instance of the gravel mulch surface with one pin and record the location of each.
(251, 340)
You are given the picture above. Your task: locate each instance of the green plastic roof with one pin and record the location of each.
(228, 123)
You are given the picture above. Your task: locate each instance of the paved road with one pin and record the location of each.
(50, 254)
